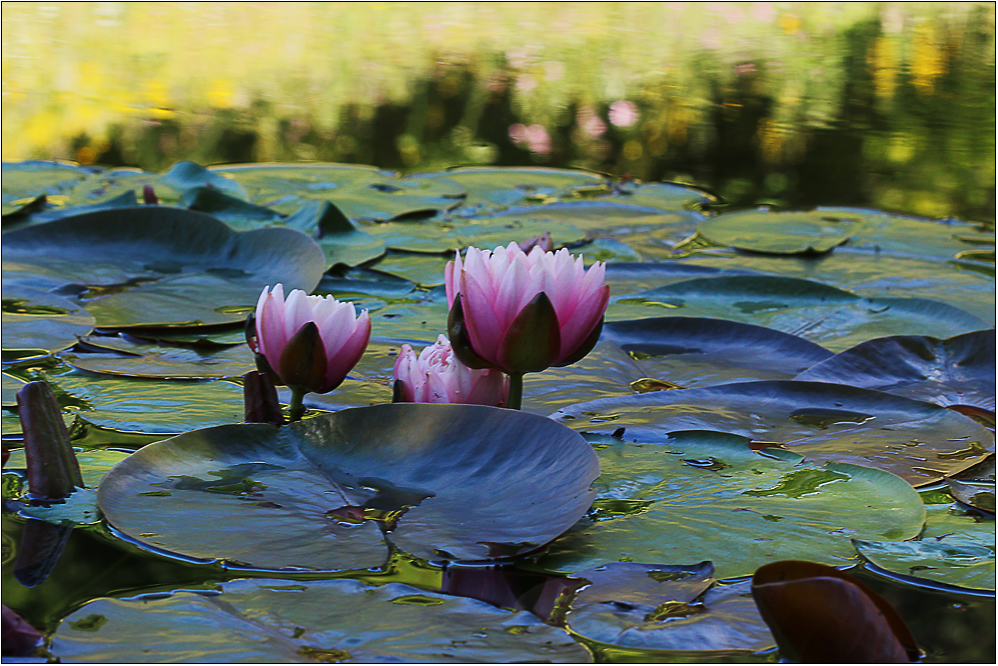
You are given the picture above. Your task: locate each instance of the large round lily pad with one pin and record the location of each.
(37, 322)
(918, 441)
(782, 232)
(956, 371)
(442, 482)
(152, 265)
(832, 317)
(693, 351)
(331, 621)
(707, 496)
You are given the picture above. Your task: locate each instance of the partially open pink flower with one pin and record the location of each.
(436, 375)
(309, 342)
(523, 312)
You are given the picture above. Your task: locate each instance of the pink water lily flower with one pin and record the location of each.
(309, 342)
(437, 376)
(523, 312)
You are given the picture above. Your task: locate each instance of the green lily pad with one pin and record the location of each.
(113, 183)
(489, 187)
(11, 385)
(919, 441)
(707, 495)
(901, 234)
(152, 407)
(692, 351)
(124, 200)
(658, 607)
(962, 565)
(361, 192)
(24, 180)
(37, 323)
(151, 361)
(80, 508)
(834, 318)
(978, 494)
(274, 620)
(184, 176)
(237, 213)
(956, 371)
(460, 486)
(341, 242)
(785, 232)
(156, 266)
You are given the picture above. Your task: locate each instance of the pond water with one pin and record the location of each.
(887, 105)
(884, 106)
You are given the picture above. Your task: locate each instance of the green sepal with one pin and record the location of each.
(460, 341)
(586, 346)
(533, 339)
(53, 472)
(303, 362)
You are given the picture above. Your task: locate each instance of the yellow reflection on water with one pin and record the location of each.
(427, 85)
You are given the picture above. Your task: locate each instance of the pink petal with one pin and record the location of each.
(586, 318)
(484, 331)
(346, 358)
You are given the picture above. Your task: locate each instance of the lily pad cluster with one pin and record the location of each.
(769, 385)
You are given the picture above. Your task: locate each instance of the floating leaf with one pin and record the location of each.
(963, 565)
(237, 213)
(490, 187)
(340, 241)
(36, 322)
(361, 192)
(162, 362)
(460, 485)
(834, 318)
(274, 620)
(956, 371)
(659, 607)
(918, 441)
(819, 613)
(708, 495)
(23, 180)
(978, 494)
(156, 266)
(694, 351)
(184, 176)
(785, 232)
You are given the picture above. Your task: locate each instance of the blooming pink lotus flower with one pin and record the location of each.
(523, 312)
(437, 376)
(309, 343)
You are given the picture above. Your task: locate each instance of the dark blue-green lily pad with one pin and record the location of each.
(122, 358)
(331, 621)
(156, 266)
(441, 482)
(341, 242)
(834, 318)
(708, 495)
(666, 608)
(692, 351)
(963, 565)
(955, 371)
(37, 323)
(237, 213)
(184, 176)
(919, 441)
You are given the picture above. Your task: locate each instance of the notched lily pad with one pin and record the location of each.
(666, 607)
(692, 351)
(701, 494)
(955, 371)
(158, 266)
(341, 242)
(835, 318)
(785, 232)
(441, 482)
(331, 621)
(36, 322)
(919, 441)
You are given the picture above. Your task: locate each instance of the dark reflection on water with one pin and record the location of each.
(794, 104)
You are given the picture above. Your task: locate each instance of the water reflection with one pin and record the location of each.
(794, 104)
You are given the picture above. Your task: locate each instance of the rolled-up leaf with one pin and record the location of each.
(53, 472)
(820, 614)
(260, 399)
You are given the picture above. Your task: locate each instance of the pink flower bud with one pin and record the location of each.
(437, 376)
(309, 342)
(523, 312)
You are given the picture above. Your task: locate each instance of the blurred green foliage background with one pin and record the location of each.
(890, 105)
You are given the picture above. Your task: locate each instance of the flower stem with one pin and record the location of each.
(515, 390)
(296, 408)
